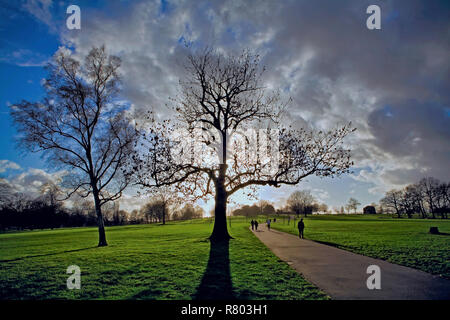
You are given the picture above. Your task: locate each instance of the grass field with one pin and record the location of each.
(146, 262)
(176, 262)
(401, 241)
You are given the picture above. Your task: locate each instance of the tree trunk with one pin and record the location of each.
(220, 230)
(164, 214)
(100, 223)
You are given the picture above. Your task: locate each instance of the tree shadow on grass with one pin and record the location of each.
(441, 234)
(216, 282)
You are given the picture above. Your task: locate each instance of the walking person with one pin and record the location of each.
(301, 227)
(256, 225)
(253, 224)
(268, 224)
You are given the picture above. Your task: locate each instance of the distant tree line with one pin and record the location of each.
(300, 202)
(262, 207)
(20, 212)
(430, 198)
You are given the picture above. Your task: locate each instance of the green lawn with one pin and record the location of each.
(401, 241)
(146, 262)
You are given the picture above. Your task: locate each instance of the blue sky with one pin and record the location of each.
(391, 83)
(26, 44)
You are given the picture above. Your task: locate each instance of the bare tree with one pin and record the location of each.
(442, 196)
(445, 193)
(265, 207)
(221, 99)
(163, 198)
(7, 194)
(154, 210)
(301, 202)
(353, 204)
(51, 193)
(81, 126)
(323, 207)
(414, 192)
(429, 187)
(392, 201)
(166, 197)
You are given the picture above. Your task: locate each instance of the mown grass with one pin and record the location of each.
(401, 241)
(145, 262)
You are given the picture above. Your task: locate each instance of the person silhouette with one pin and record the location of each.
(253, 224)
(256, 225)
(301, 227)
(268, 224)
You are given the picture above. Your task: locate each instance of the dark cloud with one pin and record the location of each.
(417, 132)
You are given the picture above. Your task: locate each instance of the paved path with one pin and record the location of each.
(342, 274)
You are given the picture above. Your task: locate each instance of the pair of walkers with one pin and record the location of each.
(254, 224)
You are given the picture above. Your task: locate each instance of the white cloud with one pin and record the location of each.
(40, 9)
(30, 181)
(320, 194)
(7, 164)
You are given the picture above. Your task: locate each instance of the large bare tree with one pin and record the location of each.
(81, 125)
(211, 149)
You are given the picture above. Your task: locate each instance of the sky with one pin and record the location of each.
(392, 83)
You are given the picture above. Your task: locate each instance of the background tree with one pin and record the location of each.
(81, 126)
(7, 194)
(323, 207)
(353, 204)
(155, 210)
(429, 195)
(443, 199)
(51, 192)
(166, 197)
(429, 188)
(392, 200)
(414, 193)
(265, 208)
(408, 201)
(248, 211)
(189, 211)
(301, 202)
(221, 98)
